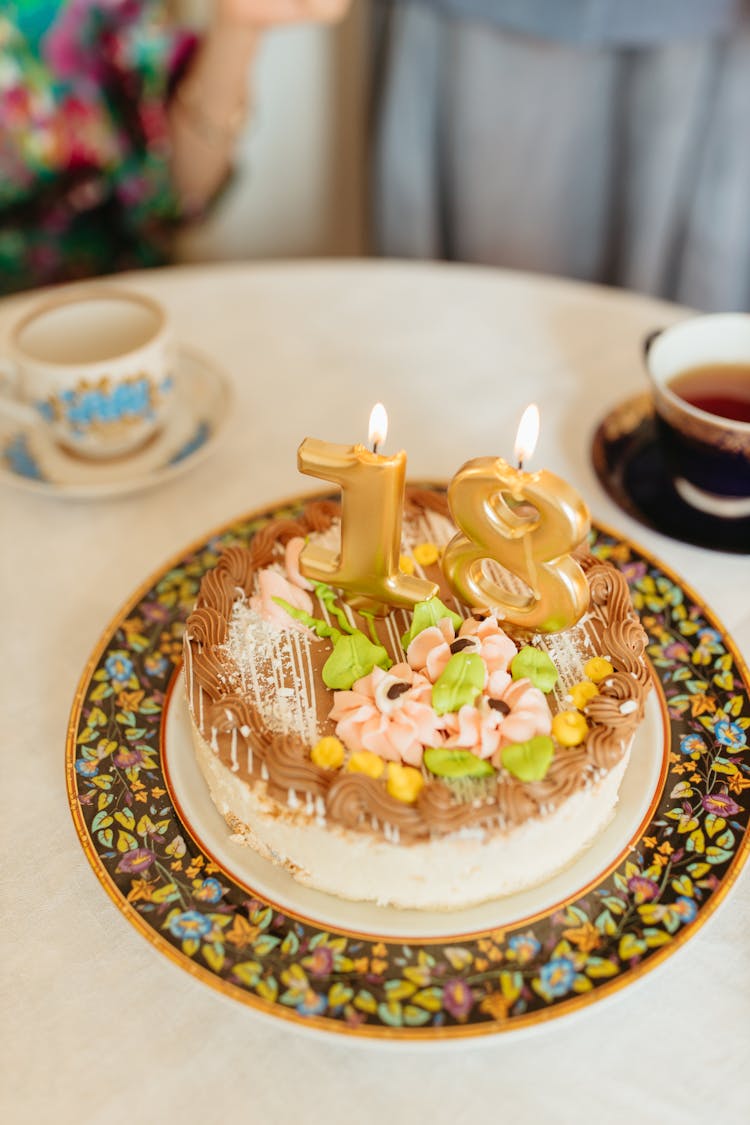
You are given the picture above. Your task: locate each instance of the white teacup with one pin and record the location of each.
(95, 365)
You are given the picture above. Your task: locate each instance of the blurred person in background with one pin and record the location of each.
(115, 125)
(607, 140)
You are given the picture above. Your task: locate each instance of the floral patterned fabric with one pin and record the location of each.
(84, 180)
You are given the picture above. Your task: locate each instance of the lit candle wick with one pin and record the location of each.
(378, 429)
(527, 435)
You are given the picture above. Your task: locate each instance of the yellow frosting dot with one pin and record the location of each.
(364, 761)
(569, 728)
(404, 782)
(426, 554)
(598, 669)
(582, 693)
(406, 565)
(328, 753)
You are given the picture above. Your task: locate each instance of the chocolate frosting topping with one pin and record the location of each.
(355, 800)
(236, 564)
(438, 806)
(218, 592)
(233, 712)
(608, 587)
(210, 674)
(424, 499)
(619, 703)
(564, 776)
(289, 767)
(207, 626)
(603, 748)
(320, 514)
(625, 640)
(515, 800)
(281, 761)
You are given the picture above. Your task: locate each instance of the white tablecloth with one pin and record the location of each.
(97, 1026)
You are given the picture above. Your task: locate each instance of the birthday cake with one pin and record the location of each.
(430, 759)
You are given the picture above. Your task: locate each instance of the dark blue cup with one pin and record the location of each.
(708, 454)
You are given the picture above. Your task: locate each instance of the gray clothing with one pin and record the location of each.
(623, 166)
(599, 22)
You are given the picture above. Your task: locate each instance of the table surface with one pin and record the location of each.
(98, 1026)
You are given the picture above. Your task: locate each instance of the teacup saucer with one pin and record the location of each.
(31, 459)
(629, 462)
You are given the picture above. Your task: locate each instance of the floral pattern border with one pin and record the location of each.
(682, 865)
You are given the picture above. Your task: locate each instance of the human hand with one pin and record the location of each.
(268, 13)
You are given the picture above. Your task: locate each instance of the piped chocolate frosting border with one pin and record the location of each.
(281, 764)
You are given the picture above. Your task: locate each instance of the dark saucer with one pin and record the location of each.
(629, 462)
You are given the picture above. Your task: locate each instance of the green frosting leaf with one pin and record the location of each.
(529, 761)
(353, 657)
(531, 664)
(426, 614)
(460, 682)
(445, 761)
(327, 597)
(322, 628)
(370, 619)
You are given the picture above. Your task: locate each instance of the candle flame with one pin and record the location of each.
(528, 432)
(378, 431)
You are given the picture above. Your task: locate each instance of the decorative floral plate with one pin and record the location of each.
(396, 980)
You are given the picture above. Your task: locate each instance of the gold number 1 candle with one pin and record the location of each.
(529, 523)
(372, 496)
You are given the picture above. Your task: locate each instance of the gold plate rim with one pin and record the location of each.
(423, 1036)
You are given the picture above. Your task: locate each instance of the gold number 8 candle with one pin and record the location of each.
(529, 523)
(372, 496)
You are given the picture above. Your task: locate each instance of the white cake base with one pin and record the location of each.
(456, 871)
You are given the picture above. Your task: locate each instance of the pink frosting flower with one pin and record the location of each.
(431, 649)
(291, 562)
(388, 713)
(429, 652)
(496, 648)
(529, 712)
(515, 711)
(272, 585)
(475, 728)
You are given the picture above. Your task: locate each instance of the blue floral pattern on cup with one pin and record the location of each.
(93, 405)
